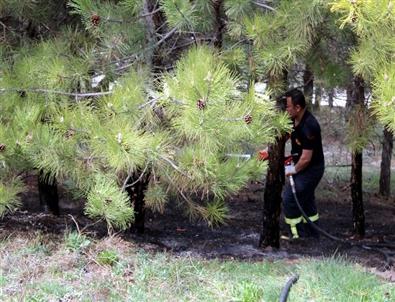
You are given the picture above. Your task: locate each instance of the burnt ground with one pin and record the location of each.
(238, 239)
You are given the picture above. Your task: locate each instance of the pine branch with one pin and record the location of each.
(165, 37)
(189, 25)
(133, 19)
(47, 91)
(125, 185)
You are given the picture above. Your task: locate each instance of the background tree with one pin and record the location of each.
(373, 23)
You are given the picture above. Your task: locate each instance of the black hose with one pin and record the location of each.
(285, 291)
(369, 247)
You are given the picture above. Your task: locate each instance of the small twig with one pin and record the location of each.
(91, 224)
(150, 102)
(125, 185)
(170, 162)
(76, 224)
(264, 6)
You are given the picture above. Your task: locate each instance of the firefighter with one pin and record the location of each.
(307, 167)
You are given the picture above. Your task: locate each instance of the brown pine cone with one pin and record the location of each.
(201, 104)
(95, 20)
(248, 119)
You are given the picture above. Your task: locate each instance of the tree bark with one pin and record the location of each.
(136, 195)
(308, 85)
(275, 179)
(48, 193)
(356, 194)
(385, 169)
(318, 97)
(358, 214)
(219, 26)
(331, 94)
(155, 26)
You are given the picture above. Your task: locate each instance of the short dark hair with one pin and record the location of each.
(297, 97)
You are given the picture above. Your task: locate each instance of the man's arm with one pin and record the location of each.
(304, 160)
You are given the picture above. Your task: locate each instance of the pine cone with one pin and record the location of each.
(201, 104)
(69, 133)
(248, 119)
(95, 20)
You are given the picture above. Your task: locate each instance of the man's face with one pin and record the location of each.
(292, 110)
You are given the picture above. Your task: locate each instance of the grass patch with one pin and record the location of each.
(336, 182)
(136, 275)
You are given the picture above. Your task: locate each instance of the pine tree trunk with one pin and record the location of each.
(48, 193)
(385, 169)
(308, 86)
(331, 94)
(356, 194)
(275, 179)
(349, 98)
(219, 26)
(136, 195)
(318, 97)
(154, 23)
(356, 169)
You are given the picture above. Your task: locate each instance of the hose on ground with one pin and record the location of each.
(287, 287)
(365, 246)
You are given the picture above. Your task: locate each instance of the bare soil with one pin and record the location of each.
(238, 239)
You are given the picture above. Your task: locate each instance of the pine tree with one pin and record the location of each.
(372, 59)
(172, 134)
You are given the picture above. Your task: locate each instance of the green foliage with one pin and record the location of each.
(133, 6)
(45, 66)
(216, 212)
(359, 129)
(155, 197)
(373, 23)
(75, 241)
(105, 200)
(9, 191)
(236, 9)
(107, 257)
(384, 96)
(180, 14)
(118, 31)
(38, 11)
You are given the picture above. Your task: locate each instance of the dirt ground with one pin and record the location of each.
(238, 239)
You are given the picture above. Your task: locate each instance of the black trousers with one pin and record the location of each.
(306, 182)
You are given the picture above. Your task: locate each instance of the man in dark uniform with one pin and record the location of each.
(307, 168)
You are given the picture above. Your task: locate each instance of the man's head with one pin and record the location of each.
(296, 103)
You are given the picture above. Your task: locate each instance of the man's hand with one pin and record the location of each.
(290, 170)
(2, 147)
(263, 155)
